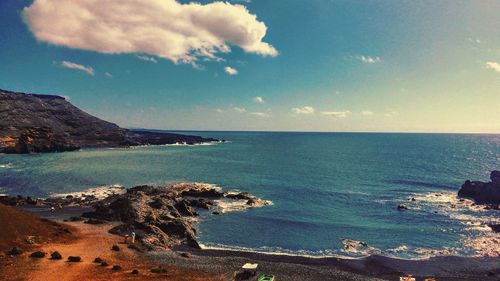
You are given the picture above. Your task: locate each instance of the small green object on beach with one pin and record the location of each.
(265, 277)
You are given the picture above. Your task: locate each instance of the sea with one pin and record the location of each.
(332, 194)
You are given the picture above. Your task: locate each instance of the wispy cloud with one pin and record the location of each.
(260, 114)
(303, 110)
(231, 71)
(239, 109)
(338, 114)
(493, 65)
(367, 112)
(146, 58)
(258, 99)
(368, 59)
(71, 65)
(391, 114)
(170, 29)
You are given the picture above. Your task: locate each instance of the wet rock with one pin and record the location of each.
(55, 256)
(483, 192)
(116, 268)
(495, 227)
(402, 207)
(203, 192)
(215, 213)
(115, 248)
(74, 259)
(75, 219)
(15, 251)
(240, 196)
(38, 254)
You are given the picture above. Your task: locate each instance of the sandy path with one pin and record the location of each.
(94, 241)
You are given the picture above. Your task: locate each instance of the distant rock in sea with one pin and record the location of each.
(483, 192)
(46, 123)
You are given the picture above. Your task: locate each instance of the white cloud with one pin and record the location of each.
(368, 59)
(146, 58)
(258, 99)
(231, 71)
(493, 65)
(303, 110)
(367, 112)
(182, 33)
(71, 65)
(218, 110)
(239, 109)
(260, 114)
(391, 114)
(108, 74)
(338, 114)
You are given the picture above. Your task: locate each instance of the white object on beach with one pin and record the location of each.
(250, 266)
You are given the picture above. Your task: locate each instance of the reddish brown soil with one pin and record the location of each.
(86, 241)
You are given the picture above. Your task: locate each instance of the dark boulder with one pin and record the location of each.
(482, 192)
(98, 260)
(135, 272)
(241, 195)
(495, 227)
(115, 248)
(74, 259)
(38, 254)
(55, 256)
(116, 268)
(104, 264)
(402, 207)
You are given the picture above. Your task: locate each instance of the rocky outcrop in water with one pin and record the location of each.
(483, 192)
(163, 217)
(46, 123)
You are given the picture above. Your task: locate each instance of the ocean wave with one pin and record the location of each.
(7, 166)
(210, 143)
(99, 192)
(355, 250)
(477, 236)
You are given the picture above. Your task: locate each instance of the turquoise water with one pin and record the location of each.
(324, 186)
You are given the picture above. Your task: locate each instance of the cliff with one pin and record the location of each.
(47, 123)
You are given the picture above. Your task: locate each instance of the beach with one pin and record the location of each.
(90, 241)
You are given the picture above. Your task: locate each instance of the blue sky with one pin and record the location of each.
(404, 66)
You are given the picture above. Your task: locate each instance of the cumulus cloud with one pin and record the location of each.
(239, 109)
(338, 114)
(258, 99)
(182, 33)
(493, 65)
(367, 112)
(231, 71)
(303, 110)
(146, 58)
(71, 65)
(368, 59)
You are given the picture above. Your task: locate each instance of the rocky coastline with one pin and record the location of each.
(487, 193)
(32, 123)
(161, 216)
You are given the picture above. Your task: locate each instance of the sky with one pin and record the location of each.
(263, 65)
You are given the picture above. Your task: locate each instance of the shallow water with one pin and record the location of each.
(325, 187)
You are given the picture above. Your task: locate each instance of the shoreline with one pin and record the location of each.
(297, 267)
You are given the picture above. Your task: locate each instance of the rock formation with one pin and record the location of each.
(483, 192)
(46, 123)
